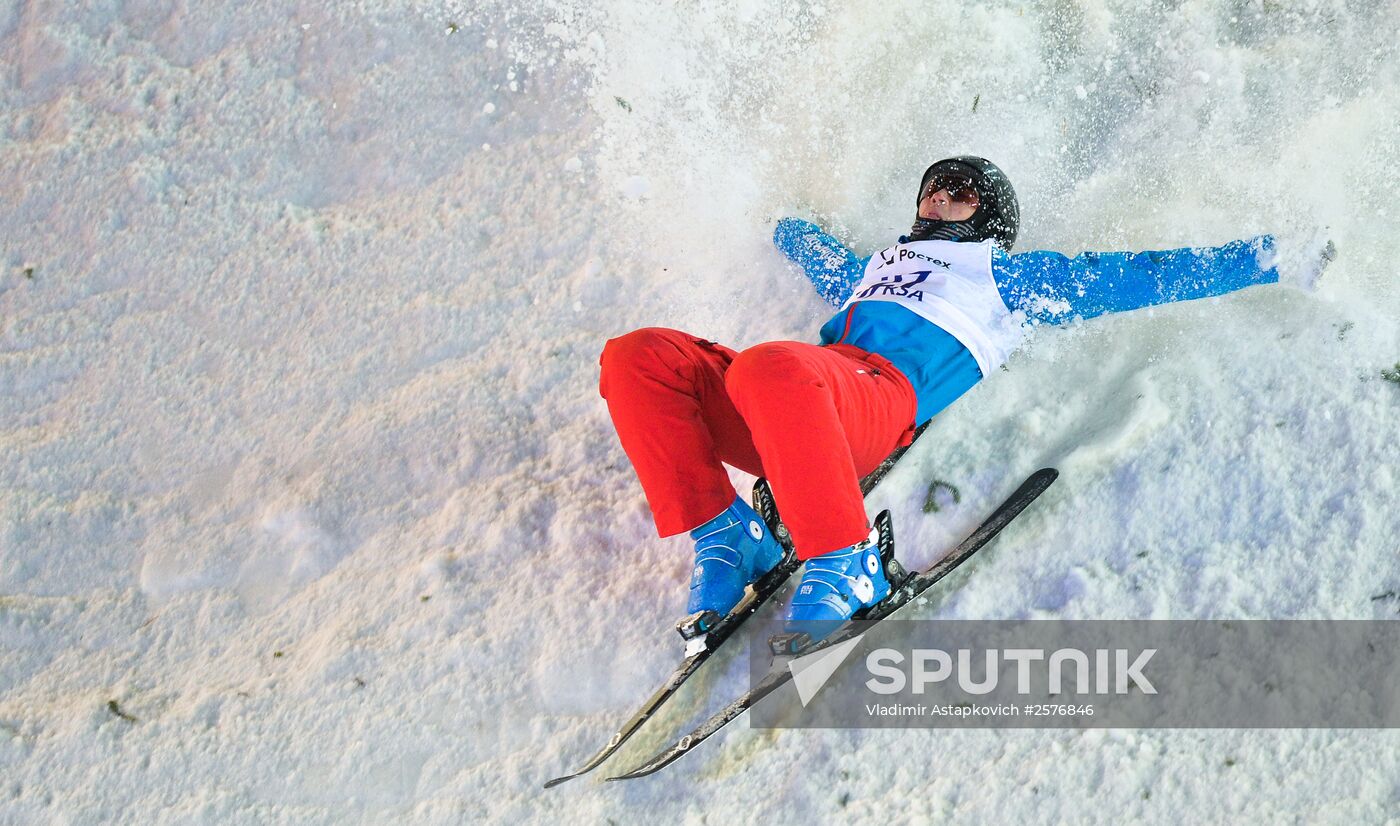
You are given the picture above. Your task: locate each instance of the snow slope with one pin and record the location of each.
(310, 512)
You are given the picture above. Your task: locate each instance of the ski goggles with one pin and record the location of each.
(960, 187)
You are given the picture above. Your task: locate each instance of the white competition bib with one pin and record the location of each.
(950, 284)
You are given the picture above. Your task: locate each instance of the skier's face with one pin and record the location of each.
(939, 204)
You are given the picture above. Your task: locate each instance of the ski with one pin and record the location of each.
(702, 646)
(906, 592)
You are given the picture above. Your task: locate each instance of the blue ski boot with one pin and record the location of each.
(834, 587)
(731, 552)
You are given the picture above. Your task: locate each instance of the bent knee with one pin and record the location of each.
(648, 354)
(771, 365)
(639, 346)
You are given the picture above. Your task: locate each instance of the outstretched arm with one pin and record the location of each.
(1053, 288)
(832, 269)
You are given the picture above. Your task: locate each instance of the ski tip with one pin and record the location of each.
(650, 767)
(1042, 479)
(549, 784)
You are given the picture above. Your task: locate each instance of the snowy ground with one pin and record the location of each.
(310, 512)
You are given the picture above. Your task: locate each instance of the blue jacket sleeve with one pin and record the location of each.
(1052, 288)
(832, 269)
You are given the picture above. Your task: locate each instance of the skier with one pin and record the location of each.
(920, 323)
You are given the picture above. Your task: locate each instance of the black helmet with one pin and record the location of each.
(997, 216)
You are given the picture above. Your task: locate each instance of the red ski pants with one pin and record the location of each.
(812, 419)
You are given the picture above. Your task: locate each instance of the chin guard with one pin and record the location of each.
(928, 230)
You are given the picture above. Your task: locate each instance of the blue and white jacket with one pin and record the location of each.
(947, 313)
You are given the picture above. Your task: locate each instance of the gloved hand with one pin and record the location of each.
(1301, 261)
